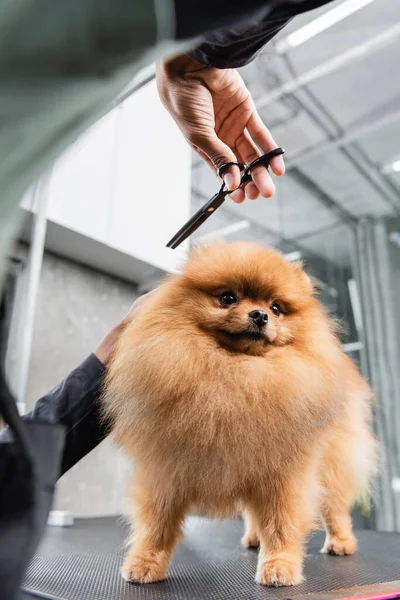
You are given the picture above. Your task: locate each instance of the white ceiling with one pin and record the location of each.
(336, 183)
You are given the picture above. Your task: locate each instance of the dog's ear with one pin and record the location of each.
(299, 266)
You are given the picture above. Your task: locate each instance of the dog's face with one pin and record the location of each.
(248, 298)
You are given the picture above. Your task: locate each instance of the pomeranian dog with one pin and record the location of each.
(230, 393)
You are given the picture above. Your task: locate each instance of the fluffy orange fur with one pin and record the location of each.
(220, 415)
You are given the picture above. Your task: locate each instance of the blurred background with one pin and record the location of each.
(96, 225)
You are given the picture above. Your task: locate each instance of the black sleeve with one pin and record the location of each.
(75, 403)
(236, 47)
(238, 31)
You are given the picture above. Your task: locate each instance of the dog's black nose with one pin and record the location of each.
(259, 317)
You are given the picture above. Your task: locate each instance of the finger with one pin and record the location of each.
(252, 191)
(231, 177)
(238, 196)
(260, 175)
(137, 305)
(219, 154)
(262, 180)
(249, 190)
(262, 137)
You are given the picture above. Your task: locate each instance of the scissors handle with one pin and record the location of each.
(221, 169)
(261, 160)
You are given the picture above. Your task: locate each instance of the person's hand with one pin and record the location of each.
(105, 349)
(216, 113)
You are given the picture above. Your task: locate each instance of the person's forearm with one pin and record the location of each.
(75, 403)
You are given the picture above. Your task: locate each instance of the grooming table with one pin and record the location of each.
(82, 563)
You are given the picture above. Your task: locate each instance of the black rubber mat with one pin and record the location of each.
(83, 562)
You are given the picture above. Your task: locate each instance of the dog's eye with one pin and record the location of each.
(228, 298)
(275, 308)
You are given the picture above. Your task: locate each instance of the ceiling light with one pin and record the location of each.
(313, 28)
(393, 166)
(396, 166)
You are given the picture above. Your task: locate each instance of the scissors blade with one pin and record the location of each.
(198, 218)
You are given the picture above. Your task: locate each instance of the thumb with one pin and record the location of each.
(220, 154)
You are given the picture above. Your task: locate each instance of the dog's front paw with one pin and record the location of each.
(340, 546)
(145, 567)
(280, 571)
(250, 540)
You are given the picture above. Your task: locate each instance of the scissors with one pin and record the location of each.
(211, 206)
